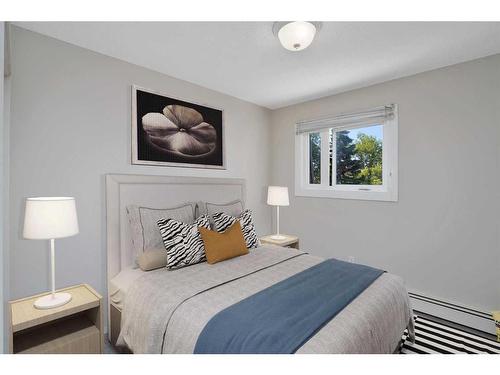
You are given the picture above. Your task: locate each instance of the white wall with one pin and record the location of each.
(70, 125)
(442, 234)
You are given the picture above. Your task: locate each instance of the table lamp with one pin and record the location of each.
(277, 196)
(48, 218)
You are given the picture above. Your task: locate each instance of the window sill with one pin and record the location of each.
(386, 196)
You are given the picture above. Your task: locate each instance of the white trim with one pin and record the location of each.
(325, 145)
(7, 68)
(448, 311)
(388, 191)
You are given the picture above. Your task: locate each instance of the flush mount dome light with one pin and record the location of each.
(297, 35)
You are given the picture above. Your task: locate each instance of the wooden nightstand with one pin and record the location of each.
(75, 328)
(496, 319)
(288, 241)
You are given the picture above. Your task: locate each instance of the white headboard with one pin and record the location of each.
(155, 191)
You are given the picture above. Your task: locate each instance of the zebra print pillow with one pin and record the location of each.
(183, 241)
(223, 221)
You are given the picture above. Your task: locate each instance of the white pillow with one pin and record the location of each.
(233, 208)
(143, 224)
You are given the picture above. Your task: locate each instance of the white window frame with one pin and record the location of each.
(388, 191)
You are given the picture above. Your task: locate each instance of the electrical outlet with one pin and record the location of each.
(351, 259)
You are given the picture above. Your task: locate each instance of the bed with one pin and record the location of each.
(165, 311)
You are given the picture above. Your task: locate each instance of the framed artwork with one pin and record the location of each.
(167, 131)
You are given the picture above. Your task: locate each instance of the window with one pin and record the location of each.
(315, 158)
(351, 156)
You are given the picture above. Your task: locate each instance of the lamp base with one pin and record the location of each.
(278, 237)
(52, 301)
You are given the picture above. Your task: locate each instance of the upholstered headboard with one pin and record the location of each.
(158, 192)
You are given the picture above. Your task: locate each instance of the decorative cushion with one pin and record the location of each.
(152, 259)
(144, 230)
(223, 221)
(183, 241)
(222, 246)
(201, 209)
(233, 208)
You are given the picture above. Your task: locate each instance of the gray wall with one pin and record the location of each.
(2, 184)
(70, 125)
(442, 234)
(6, 204)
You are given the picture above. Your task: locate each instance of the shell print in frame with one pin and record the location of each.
(172, 132)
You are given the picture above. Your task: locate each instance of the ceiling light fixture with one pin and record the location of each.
(296, 35)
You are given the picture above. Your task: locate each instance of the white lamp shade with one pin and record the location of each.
(277, 196)
(50, 217)
(296, 36)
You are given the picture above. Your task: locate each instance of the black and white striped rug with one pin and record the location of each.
(432, 337)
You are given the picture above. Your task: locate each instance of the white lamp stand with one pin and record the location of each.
(48, 218)
(277, 196)
(53, 299)
(278, 236)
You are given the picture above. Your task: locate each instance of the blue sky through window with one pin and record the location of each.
(375, 131)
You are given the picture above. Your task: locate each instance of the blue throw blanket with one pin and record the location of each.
(281, 318)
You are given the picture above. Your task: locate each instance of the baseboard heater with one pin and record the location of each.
(466, 316)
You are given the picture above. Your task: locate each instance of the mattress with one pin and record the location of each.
(119, 285)
(166, 311)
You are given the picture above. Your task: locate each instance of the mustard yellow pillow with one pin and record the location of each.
(226, 245)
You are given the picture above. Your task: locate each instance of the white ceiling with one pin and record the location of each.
(245, 60)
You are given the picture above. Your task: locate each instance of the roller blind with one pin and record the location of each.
(377, 115)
